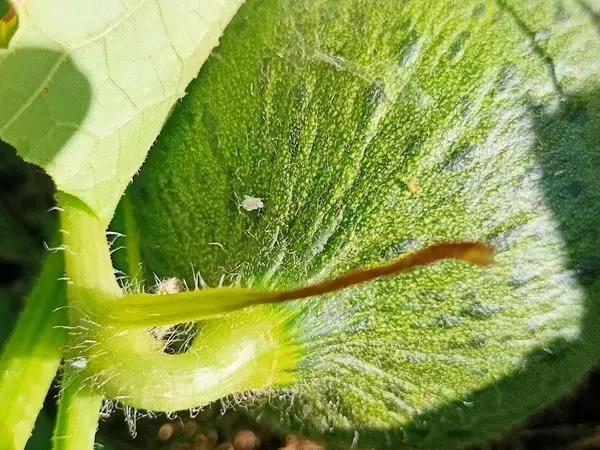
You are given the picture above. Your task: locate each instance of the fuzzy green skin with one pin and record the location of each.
(327, 110)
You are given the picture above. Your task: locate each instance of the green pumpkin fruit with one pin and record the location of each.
(323, 136)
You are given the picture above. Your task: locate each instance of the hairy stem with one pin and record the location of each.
(144, 310)
(32, 355)
(113, 353)
(246, 350)
(77, 419)
(130, 365)
(91, 282)
(87, 256)
(127, 257)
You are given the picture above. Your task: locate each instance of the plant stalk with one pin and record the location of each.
(91, 281)
(32, 355)
(77, 420)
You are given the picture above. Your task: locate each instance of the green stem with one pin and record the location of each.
(152, 310)
(87, 256)
(233, 355)
(134, 258)
(129, 259)
(32, 355)
(246, 349)
(77, 420)
(91, 282)
(144, 310)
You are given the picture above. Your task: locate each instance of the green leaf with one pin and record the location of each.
(326, 136)
(4, 7)
(86, 87)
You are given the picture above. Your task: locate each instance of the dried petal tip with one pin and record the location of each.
(471, 252)
(480, 254)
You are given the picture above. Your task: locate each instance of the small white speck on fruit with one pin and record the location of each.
(79, 363)
(252, 203)
(542, 36)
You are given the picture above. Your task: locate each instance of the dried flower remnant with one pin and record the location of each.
(8, 26)
(471, 252)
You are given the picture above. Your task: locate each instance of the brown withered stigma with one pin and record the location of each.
(476, 253)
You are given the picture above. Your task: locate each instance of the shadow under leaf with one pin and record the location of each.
(568, 151)
(45, 98)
